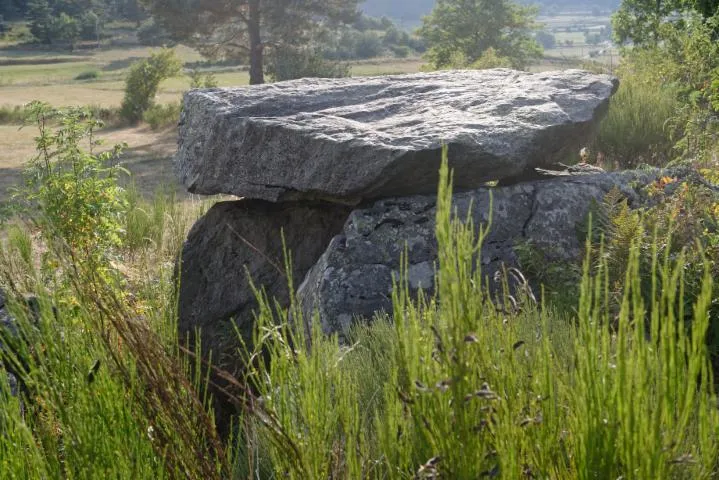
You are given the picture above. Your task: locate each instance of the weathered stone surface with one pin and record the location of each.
(345, 140)
(240, 238)
(353, 278)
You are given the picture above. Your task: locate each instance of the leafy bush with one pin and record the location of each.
(491, 59)
(13, 114)
(200, 80)
(144, 79)
(74, 190)
(667, 97)
(288, 64)
(401, 51)
(88, 75)
(161, 116)
(368, 45)
(353, 44)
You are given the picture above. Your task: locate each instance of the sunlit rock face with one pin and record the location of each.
(352, 139)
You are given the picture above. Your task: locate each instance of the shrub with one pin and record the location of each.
(288, 64)
(109, 116)
(88, 75)
(13, 114)
(144, 79)
(368, 45)
(200, 80)
(401, 51)
(491, 59)
(161, 116)
(75, 190)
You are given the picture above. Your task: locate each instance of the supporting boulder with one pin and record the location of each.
(237, 242)
(353, 278)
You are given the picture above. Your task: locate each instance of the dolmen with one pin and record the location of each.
(344, 173)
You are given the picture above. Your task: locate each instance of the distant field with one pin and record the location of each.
(30, 75)
(570, 20)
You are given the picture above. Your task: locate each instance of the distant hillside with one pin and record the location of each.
(410, 12)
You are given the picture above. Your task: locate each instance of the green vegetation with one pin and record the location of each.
(256, 25)
(144, 80)
(664, 110)
(88, 75)
(611, 375)
(88, 397)
(458, 386)
(74, 187)
(645, 22)
(636, 130)
(13, 115)
(161, 116)
(463, 388)
(460, 32)
(299, 63)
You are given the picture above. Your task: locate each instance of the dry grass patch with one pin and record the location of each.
(148, 156)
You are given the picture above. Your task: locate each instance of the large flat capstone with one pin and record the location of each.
(352, 139)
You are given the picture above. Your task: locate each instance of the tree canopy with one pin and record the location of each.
(245, 29)
(466, 29)
(641, 21)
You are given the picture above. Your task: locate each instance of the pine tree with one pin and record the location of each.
(246, 29)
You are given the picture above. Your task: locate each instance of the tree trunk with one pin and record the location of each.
(257, 74)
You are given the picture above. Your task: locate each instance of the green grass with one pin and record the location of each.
(89, 413)
(636, 129)
(461, 388)
(456, 385)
